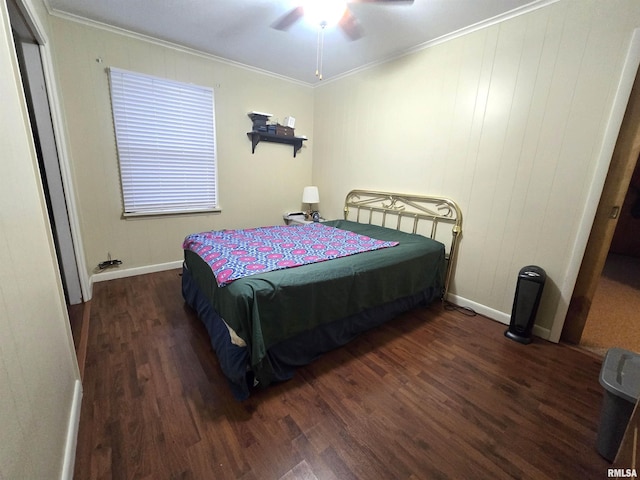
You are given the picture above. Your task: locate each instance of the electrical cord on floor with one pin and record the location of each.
(468, 311)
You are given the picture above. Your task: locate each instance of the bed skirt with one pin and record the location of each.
(297, 351)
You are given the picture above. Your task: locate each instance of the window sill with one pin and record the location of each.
(164, 213)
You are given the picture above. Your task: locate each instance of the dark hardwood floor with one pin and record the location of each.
(434, 394)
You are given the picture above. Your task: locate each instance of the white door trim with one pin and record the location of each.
(59, 131)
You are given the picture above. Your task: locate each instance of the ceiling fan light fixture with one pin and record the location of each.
(324, 13)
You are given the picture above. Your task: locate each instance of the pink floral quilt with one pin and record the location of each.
(234, 254)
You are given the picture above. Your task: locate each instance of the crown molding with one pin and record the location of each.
(166, 44)
(530, 7)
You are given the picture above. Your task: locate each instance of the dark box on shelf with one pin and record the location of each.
(265, 129)
(284, 131)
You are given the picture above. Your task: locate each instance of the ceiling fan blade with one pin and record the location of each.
(288, 19)
(350, 25)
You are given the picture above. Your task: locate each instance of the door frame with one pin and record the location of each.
(27, 13)
(30, 62)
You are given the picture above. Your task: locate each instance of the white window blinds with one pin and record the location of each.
(165, 134)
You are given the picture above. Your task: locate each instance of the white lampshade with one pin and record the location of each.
(310, 195)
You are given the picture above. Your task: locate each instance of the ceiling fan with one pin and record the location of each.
(326, 12)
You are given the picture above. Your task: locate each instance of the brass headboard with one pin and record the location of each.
(407, 211)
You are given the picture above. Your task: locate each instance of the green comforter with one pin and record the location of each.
(268, 308)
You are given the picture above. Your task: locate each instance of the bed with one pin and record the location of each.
(264, 325)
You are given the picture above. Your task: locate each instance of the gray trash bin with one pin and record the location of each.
(620, 377)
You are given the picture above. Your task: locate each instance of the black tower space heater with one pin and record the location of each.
(525, 304)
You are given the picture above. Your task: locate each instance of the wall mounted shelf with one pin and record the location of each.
(257, 137)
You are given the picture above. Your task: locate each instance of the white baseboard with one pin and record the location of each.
(131, 272)
(491, 313)
(72, 434)
(496, 315)
(541, 332)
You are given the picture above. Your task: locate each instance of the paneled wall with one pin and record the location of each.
(508, 121)
(254, 189)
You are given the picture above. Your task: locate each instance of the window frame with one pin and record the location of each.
(167, 161)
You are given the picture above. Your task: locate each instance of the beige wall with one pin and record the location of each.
(38, 370)
(254, 189)
(508, 121)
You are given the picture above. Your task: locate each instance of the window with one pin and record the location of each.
(165, 135)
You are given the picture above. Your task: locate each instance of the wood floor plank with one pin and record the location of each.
(433, 394)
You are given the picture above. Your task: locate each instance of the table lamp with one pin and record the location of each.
(310, 195)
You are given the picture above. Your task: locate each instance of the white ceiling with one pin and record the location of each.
(240, 30)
